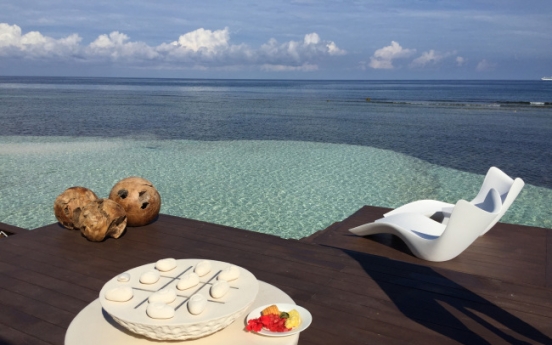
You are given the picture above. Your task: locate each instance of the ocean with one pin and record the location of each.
(286, 157)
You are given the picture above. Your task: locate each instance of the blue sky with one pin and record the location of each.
(301, 39)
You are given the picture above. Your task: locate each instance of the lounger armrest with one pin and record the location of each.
(415, 222)
(423, 207)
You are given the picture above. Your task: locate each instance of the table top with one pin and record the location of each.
(94, 326)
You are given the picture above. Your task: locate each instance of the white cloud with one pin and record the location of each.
(284, 68)
(112, 40)
(334, 50)
(34, 45)
(9, 35)
(204, 40)
(312, 38)
(198, 49)
(460, 61)
(297, 53)
(430, 57)
(327, 47)
(116, 46)
(484, 66)
(383, 58)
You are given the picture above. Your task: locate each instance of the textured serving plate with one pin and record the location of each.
(218, 313)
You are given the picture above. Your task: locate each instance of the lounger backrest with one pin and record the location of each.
(496, 179)
(492, 202)
(515, 189)
(466, 223)
(507, 188)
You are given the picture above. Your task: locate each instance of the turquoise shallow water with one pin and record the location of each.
(287, 188)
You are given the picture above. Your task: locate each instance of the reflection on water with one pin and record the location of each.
(287, 188)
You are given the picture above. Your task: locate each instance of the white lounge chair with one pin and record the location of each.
(434, 241)
(507, 188)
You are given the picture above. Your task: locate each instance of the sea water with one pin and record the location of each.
(281, 157)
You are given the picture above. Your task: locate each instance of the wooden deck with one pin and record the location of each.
(360, 290)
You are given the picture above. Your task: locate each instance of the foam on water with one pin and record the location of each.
(287, 188)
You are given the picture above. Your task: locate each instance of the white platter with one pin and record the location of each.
(218, 314)
(94, 326)
(306, 319)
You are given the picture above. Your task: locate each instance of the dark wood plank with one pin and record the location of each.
(549, 259)
(30, 325)
(358, 292)
(37, 308)
(202, 229)
(55, 284)
(10, 336)
(11, 230)
(39, 293)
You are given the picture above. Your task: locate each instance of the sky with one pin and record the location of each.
(288, 39)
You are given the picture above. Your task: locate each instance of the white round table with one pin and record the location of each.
(94, 326)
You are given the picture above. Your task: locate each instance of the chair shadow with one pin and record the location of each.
(421, 294)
